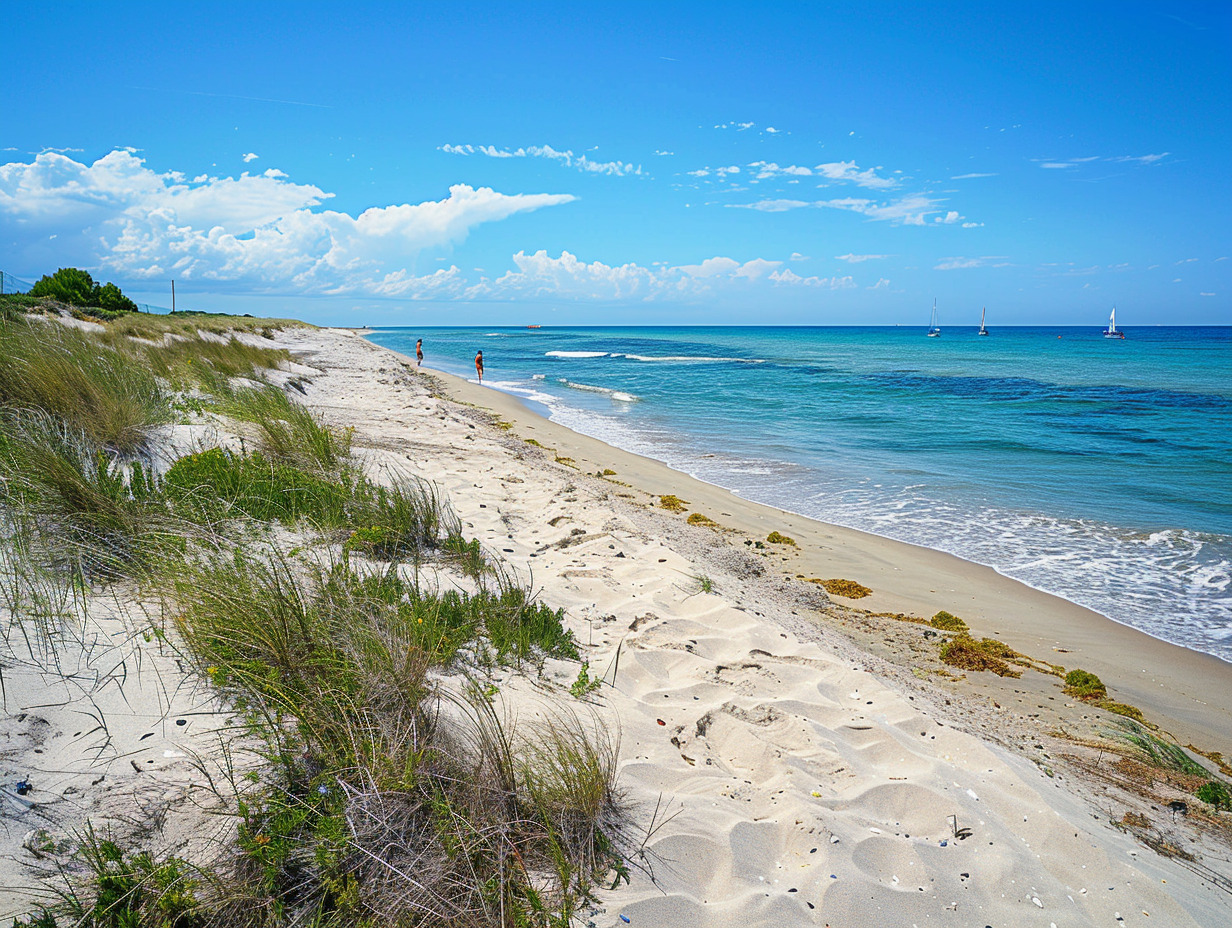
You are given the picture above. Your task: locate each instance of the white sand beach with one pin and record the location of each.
(786, 758)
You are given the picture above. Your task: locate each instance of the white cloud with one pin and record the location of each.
(260, 231)
(1141, 159)
(540, 275)
(657, 152)
(881, 284)
(566, 158)
(251, 156)
(857, 259)
(970, 176)
(910, 210)
(1063, 163)
(957, 264)
(972, 225)
(848, 171)
(1206, 294)
(949, 218)
(796, 256)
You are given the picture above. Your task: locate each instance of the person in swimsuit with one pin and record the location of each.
(479, 365)
(419, 352)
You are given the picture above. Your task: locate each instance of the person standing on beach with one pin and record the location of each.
(419, 352)
(479, 365)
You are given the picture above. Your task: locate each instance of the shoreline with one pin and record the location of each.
(1182, 690)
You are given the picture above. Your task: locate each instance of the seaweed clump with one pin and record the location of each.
(966, 653)
(777, 538)
(848, 589)
(673, 503)
(949, 623)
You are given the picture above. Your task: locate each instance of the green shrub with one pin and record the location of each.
(77, 288)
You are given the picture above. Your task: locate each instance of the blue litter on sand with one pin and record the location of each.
(625, 919)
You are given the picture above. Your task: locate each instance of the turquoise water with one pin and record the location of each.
(1096, 469)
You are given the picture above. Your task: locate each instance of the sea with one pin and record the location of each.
(1096, 469)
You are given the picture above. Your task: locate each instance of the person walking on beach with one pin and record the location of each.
(479, 365)
(419, 352)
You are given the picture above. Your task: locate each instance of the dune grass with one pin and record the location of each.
(289, 432)
(71, 376)
(393, 799)
(195, 361)
(79, 506)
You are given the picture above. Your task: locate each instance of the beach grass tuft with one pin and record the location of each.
(69, 375)
(290, 433)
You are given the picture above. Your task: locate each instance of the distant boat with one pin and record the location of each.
(934, 330)
(1111, 331)
(534, 327)
(982, 331)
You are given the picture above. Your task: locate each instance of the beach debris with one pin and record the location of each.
(1178, 806)
(23, 787)
(837, 586)
(777, 538)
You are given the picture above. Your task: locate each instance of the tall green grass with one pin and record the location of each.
(393, 799)
(80, 507)
(71, 376)
(186, 361)
(289, 432)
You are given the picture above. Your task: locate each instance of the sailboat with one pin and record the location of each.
(1111, 331)
(982, 331)
(934, 330)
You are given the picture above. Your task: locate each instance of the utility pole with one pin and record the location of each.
(173, 296)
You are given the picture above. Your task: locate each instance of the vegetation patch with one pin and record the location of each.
(1216, 794)
(69, 375)
(673, 503)
(947, 622)
(848, 589)
(777, 538)
(698, 519)
(1082, 684)
(966, 653)
(77, 288)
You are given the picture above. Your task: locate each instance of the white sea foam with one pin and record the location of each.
(588, 388)
(688, 358)
(575, 354)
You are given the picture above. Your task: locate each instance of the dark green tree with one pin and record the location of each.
(68, 285)
(76, 287)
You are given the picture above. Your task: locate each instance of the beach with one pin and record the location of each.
(786, 756)
(810, 775)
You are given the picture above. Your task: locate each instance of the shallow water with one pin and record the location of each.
(1096, 469)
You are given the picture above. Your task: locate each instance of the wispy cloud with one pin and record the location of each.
(1060, 164)
(958, 264)
(914, 210)
(251, 156)
(971, 176)
(858, 259)
(566, 158)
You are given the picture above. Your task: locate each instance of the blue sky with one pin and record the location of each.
(628, 163)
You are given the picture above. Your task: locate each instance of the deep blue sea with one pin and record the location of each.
(1096, 469)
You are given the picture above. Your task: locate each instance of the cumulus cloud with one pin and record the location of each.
(566, 158)
(261, 231)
